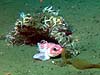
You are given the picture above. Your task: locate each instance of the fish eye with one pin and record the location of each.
(26, 19)
(54, 49)
(42, 41)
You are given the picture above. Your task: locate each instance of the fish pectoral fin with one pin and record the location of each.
(41, 56)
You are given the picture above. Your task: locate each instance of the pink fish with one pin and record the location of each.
(47, 50)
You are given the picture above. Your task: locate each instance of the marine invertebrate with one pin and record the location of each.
(50, 10)
(47, 25)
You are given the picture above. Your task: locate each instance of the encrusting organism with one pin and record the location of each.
(47, 25)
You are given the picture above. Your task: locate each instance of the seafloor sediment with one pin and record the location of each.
(83, 15)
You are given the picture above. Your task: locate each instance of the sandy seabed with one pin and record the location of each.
(83, 15)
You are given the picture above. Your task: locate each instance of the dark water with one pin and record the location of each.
(83, 15)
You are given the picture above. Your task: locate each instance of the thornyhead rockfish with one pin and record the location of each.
(47, 50)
